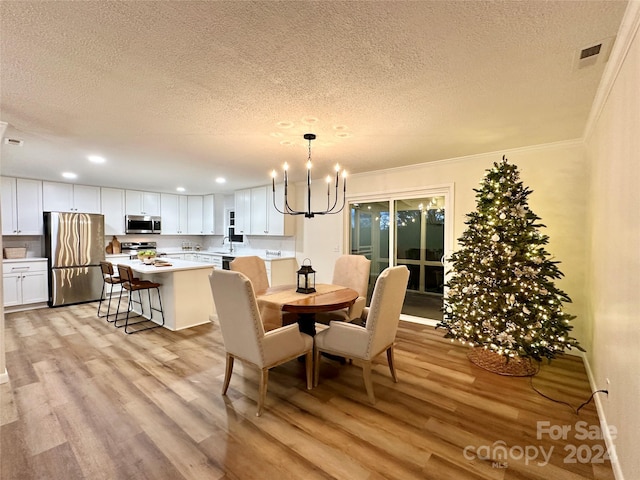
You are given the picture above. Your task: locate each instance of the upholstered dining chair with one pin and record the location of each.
(254, 268)
(378, 334)
(350, 271)
(244, 336)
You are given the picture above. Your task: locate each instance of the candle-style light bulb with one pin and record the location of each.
(285, 167)
(309, 165)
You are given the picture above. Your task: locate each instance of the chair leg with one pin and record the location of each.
(392, 366)
(101, 300)
(115, 318)
(151, 310)
(262, 394)
(316, 366)
(368, 385)
(308, 361)
(227, 373)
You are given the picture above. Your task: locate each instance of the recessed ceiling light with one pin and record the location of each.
(96, 159)
(180, 189)
(69, 175)
(221, 180)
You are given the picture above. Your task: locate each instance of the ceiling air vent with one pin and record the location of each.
(595, 54)
(13, 141)
(590, 52)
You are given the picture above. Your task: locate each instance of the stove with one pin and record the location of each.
(134, 247)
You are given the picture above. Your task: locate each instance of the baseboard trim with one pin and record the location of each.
(4, 377)
(421, 320)
(604, 426)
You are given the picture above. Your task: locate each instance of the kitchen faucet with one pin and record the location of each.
(230, 243)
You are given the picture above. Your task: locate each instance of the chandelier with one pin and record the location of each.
(331, 208)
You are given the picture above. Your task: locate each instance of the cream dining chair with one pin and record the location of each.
(350, 271)
(378, 334)
(244, 336)
(254, 268)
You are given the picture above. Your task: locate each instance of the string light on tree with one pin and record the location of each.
(502, 295)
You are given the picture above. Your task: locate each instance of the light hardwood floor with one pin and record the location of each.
(86, 401)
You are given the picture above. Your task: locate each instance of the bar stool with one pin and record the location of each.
(109, 278)
(132, 284)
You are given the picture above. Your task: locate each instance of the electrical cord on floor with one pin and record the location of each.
(575, 410)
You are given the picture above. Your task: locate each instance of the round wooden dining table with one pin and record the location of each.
(326, 299)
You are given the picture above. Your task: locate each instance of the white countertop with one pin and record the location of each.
(28, 259)
(176, 266)
(241, 253)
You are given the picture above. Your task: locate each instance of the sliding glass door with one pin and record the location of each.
(405, 230)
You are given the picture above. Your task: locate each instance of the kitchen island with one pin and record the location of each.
(185, 291)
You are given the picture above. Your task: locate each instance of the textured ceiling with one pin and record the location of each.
(177, 93)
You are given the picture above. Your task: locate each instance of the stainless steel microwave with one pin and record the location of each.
(142, 224)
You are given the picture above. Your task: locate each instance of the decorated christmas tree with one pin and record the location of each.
(501, 295)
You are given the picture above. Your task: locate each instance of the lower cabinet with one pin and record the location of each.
(24, 283)
(281, 271)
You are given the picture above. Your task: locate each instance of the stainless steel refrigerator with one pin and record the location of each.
(74, 246)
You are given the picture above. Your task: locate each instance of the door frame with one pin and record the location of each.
(447, 190)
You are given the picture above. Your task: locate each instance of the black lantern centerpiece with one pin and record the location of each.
(306, 278)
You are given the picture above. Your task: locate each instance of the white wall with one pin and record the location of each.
(556, 173)
(613, 150)
(3, 368)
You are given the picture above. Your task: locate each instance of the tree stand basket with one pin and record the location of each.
(496, 363)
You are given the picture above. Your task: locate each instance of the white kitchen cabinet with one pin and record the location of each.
(281, 271)
(243, 212)
(67, 197)
(265, 219)
(258, 212)
(215, 259)
(142, 203)
(24, 282)
(174, 214)
(208, 215)
(278, 223)
(112, 207)
(21, 206)
(177, 256)
(194, 215)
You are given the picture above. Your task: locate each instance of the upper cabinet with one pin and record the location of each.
(142, 203)
(181, 215)
(243, 212)
(208, 215)
(174, 214)
(67, 197)
(21, 206)
(194, 215)
(265, 219)
(112, 200)
(258, 212)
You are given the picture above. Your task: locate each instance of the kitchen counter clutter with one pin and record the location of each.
(281, 269)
